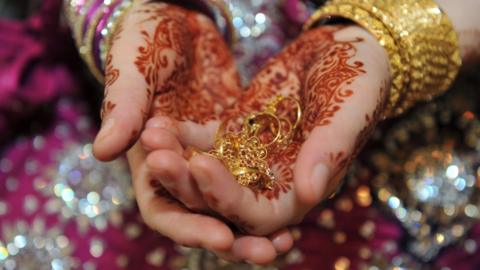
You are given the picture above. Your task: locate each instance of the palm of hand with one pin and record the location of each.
(188, 77)
(173, 72)
(318, 71)
(322, 72)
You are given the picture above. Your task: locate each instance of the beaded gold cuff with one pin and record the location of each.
(418, 37)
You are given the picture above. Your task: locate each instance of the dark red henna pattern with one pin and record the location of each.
(111, 76)
(316, 69)
(107, 107)
(111, 73)
(370, 123)
(182, 63)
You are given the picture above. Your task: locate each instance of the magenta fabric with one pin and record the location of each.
(35, 58)
(40, 71)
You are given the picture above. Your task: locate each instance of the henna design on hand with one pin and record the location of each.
(183, 62)
(111, 75)
(318, 70)
(371, 122)
(107, 108)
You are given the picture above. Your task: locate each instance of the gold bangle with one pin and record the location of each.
(430, 42)
(221, 10)
(376, 28)
(426, 40)
(86, 49)
(76, 19)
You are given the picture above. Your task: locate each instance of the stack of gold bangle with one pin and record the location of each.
(419, 38)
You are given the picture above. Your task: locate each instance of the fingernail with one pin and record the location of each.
(319, 179)
(152, 124)
(159, 122)
(106, 128)
(277, 242)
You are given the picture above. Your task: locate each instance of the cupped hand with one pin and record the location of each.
(169, 61)
(164, 60)
(341, 77)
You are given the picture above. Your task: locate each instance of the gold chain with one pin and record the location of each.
(246, 153)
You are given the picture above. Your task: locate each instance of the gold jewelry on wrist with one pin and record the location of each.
(93, 22)
(86, 49)
(428, 58)
(111, 27)
(377, 28)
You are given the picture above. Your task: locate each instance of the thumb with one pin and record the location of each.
(321, 164)
(188, 133)
(133, 75)
(124, 107)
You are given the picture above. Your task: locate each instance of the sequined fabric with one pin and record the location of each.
(409, 202)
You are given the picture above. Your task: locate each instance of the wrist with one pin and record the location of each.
(92, 24)
(375, 60)
(466, 22)
(420, 39)
(369, 49)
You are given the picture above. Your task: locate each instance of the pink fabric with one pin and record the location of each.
(34, 64)
(39, 66)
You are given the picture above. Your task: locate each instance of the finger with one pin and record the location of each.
(185, 228)
(159, 138)
(171, 170)
(358, 97)
(318, 162)
(168, 217)
(329, 149)
(126, 100)
(282, 241)
(224, 195)
(254, 249)
(188, 133)
(216, 65)
(133, 76)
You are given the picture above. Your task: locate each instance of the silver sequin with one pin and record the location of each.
(86, 188)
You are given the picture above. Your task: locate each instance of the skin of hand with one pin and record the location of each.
(328, 146)
(119, 129)
(464, 17)
(169, 61)
(341, 76)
